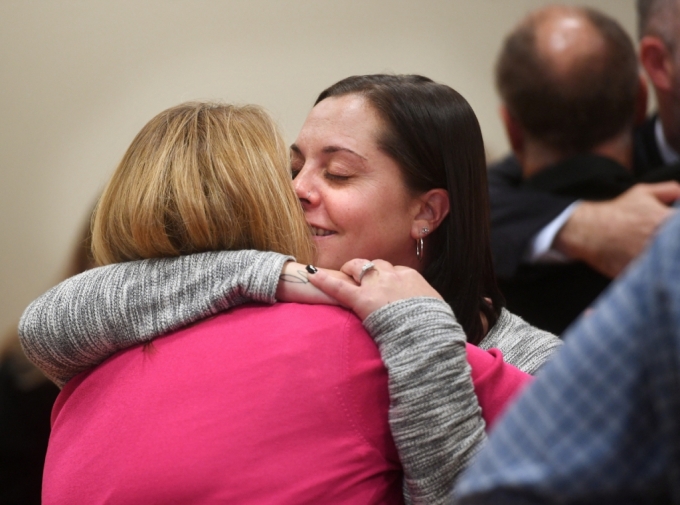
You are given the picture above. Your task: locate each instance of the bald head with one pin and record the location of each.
(569, 77)
(566, 39)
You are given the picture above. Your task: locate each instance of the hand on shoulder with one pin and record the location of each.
(370, 285)
(609, 235)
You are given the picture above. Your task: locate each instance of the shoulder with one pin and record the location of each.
(298, 315)
(505, 171)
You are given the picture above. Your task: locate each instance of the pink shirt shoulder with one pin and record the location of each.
(262, 404)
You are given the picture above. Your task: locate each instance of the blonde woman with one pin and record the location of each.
(285, 403)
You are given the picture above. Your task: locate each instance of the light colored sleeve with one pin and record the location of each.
(541, 246)
(435, 417)
(522, 345)
(87, 318)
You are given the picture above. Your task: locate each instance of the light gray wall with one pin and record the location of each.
(81, 77)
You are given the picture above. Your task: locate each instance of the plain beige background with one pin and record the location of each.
(81, 77)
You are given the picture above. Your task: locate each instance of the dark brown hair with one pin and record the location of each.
(433, 134)
(572, 113)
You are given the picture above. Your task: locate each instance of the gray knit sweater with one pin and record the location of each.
(434, 414)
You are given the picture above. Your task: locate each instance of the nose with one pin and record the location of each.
(304, 188)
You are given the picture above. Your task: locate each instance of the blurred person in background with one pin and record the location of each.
(26, 399)
(529, 225)
(572, 93)
(601, 424)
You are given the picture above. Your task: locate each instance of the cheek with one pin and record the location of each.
(384, 218)
(346, 209)
(370, 209)
(394, 207)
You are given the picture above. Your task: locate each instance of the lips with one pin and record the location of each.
(320, 232)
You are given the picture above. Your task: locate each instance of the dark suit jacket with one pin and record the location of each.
(518, 213)
(551, 296)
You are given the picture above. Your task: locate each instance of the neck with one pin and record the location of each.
(536, 156)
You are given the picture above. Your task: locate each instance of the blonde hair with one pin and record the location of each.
(201, 177)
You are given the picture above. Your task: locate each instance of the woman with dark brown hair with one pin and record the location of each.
(424, 139)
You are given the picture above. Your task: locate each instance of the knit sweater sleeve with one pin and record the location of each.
(87, 318)
(434, 414)
(522, 345)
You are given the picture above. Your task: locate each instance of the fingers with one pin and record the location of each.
(383, 284)
(666, 192)
(353, 267)
(359, 268)
(342, 290)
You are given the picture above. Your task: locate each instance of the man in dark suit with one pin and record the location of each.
(572, 94)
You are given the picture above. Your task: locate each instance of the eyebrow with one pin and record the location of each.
(329, 150)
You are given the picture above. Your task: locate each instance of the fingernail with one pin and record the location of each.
(311, 269)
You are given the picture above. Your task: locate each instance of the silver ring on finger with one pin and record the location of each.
(365, 269)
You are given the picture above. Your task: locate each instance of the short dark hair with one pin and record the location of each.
(645, 8)
(573, 113)
(432, 133)
(654, 17)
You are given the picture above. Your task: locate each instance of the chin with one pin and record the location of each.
(328, 261)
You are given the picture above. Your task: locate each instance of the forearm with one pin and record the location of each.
(542, 245)
(522, 345)
(85, 319)
(608, 235)
(434, 413)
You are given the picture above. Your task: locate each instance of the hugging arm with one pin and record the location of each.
(609, 235)
(435, 417)
(87, 318)
(606, 235)
(522, 345)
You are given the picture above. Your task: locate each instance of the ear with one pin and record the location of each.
(641, 101)
(656, 60)
(513, 130)
(433, 207)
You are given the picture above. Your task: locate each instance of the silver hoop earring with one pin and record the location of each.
(420, 246)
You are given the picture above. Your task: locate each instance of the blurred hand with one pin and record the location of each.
(379, 286)
(609, 235)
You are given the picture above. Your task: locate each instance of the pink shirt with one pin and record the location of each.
(262, 404)
(496, 383)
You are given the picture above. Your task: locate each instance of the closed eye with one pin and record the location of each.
(297, 161)
(336, 177)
